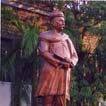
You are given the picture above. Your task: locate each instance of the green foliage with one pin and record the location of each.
(7, 69)
(83, 83)
(18, 24)
(69, 20)
(7, 13)
(58, 3)
(29, 41)
(10, 62)
(95, 10)
(99, 30)
(74, 88)
(88, 82)
(103, 29)
(86, 92)
(74, 93)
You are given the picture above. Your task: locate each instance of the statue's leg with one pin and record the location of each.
(59, 100)
(47, 100)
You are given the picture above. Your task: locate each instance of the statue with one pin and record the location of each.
(58, 56)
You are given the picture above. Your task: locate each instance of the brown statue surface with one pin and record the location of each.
(58, 57)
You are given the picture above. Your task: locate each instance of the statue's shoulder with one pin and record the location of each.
(65, 36)
(45, 34)
(69, 40)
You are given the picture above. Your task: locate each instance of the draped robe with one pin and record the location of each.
(55, 80)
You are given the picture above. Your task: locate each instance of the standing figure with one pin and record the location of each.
(58, 57)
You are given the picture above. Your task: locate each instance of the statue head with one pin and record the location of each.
(57, 20)
(56, 13)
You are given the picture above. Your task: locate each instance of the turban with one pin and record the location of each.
(56, 14)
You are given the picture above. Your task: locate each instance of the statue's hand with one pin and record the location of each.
(64, 65)
(69, 61)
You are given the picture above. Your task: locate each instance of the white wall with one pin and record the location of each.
(5, 95)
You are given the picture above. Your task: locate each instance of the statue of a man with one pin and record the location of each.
(58, 57)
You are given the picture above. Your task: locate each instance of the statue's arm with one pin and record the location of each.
(74, 57)
(43, 48)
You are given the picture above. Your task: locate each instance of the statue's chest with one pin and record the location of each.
(57, 45)
(60, 48)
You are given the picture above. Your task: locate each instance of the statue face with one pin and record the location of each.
(58, 23)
